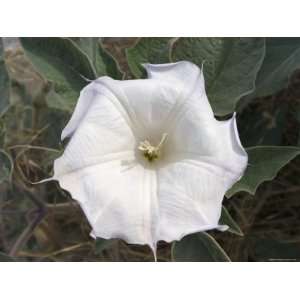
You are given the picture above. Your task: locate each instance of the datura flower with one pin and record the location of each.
(147, 160)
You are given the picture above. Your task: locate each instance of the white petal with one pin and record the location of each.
(190, 197)
(117, 198)
(153, 104)
(189, 82)
(232, 155)
(87, 96)
(205, 159)
(193, 129)
(99, 168)
(147, 102)
(99, 132)
(208, 140)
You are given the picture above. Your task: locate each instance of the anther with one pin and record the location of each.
(152, 152)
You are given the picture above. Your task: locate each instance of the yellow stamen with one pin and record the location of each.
(152, 152)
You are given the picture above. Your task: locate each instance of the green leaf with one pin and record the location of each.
(4, 82)
(198, 247)
(281, 60)
(6, 165)
(148, 50)
(63, 63)
(6, 258)
(226, 219)
(54, 120)
(103, 63)
(103, 244)
(264, 164)
(230, 66)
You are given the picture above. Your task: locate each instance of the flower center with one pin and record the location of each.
(152, 152)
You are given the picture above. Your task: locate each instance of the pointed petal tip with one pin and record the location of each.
(43, 180)
(144, 65)
(153, 247)
(93, 235)
(182, 63)
(63, 135)
(222, 228)
(237, 137)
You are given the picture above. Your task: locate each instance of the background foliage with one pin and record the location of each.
(40, 80)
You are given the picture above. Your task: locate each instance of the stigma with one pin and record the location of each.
(151, 153)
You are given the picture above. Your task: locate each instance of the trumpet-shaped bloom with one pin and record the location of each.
(147, 160)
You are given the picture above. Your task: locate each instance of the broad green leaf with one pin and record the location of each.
(264, 164)
(281, 60)
(103, 244)
(63, 63)
(230, 66)
(198, 247)
(4, 82)
(148, 50)
(103, 63)
(226, 219)
(6, 258)
(6, 165)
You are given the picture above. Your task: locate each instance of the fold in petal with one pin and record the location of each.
(189, 82)
(197, 135)
(99, 134)
(190, 197)
(152, 104)
(119, 199)
(148, 103)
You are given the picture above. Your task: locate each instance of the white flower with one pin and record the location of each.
(147, 160)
